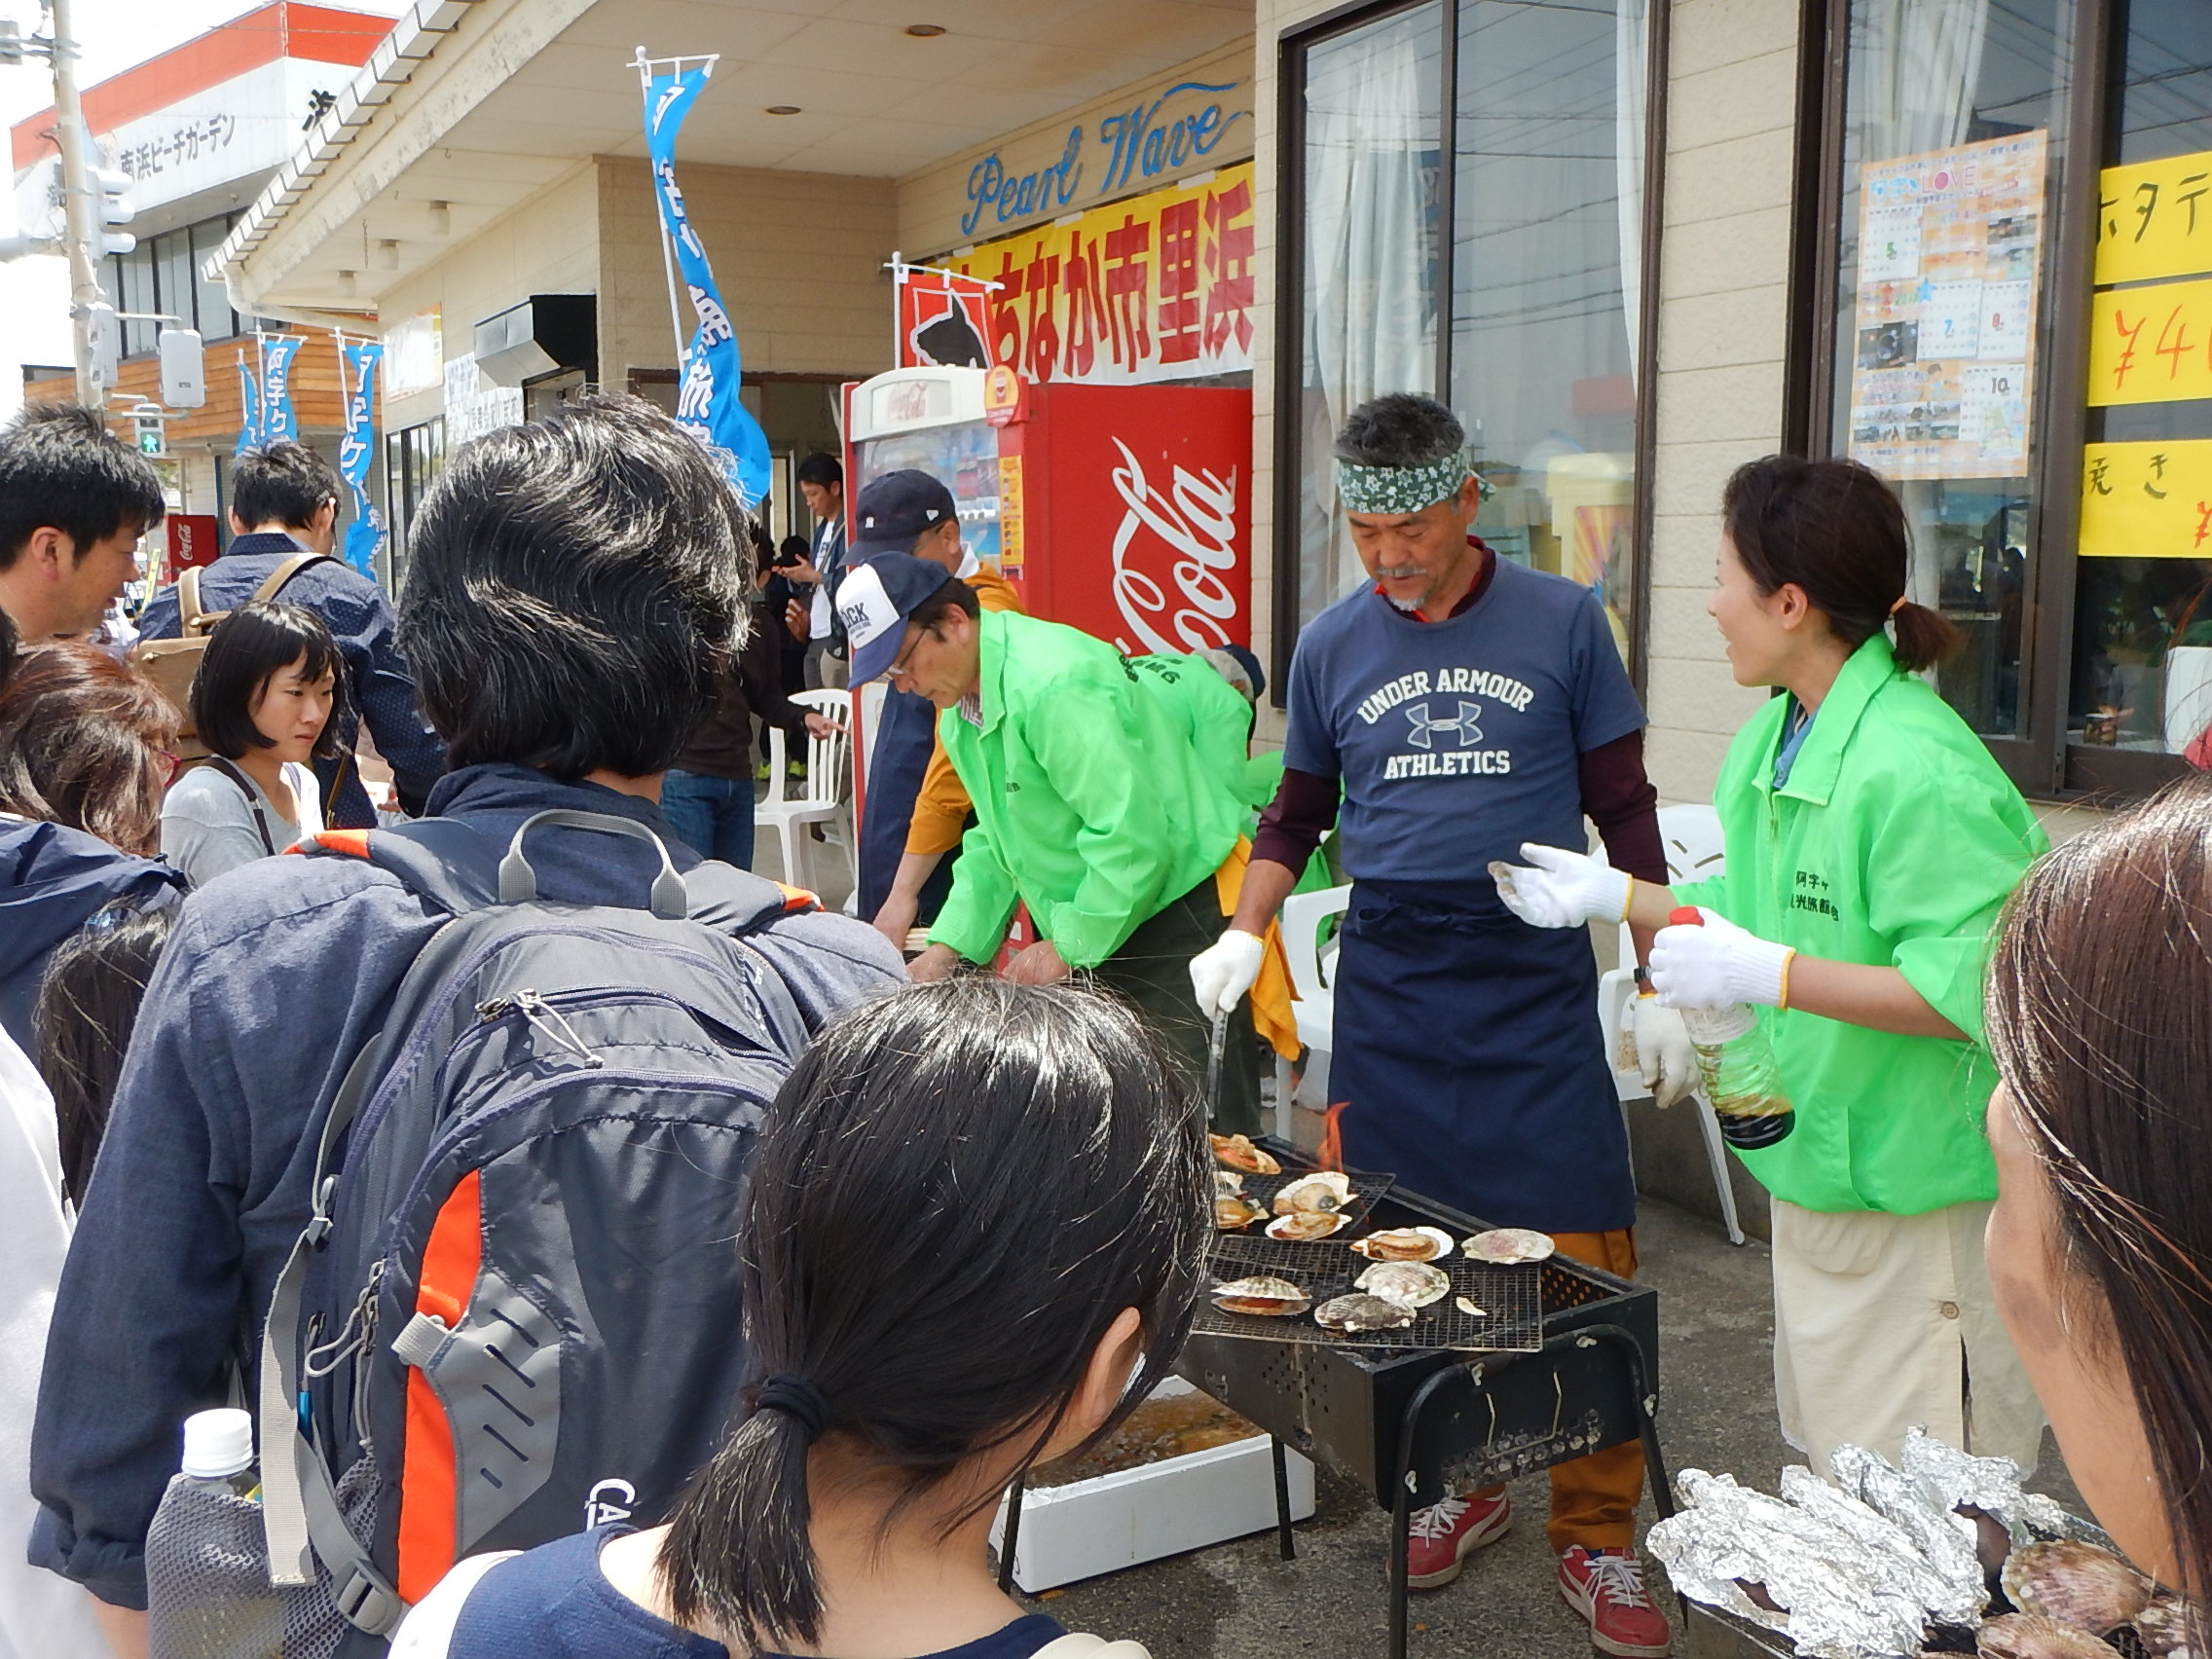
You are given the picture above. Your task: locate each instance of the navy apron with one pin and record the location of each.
(906, 736)
(1469, 1052)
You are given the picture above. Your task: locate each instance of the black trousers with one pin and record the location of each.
(1153, 971)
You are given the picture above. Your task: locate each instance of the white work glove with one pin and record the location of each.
(1718, 966)
(1664, 1056)
(1563, 889)
(1223, 972)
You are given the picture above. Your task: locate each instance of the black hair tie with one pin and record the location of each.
(798, 1399)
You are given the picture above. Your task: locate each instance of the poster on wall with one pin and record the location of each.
(1944, 343)
(2147, 500)
(1155, 287)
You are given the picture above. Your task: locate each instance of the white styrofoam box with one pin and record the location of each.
(1102, 1524)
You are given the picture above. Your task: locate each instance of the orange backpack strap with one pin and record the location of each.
(428, 1505)
(797, 900)
(348, 843)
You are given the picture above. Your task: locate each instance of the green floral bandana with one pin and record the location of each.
(1403, 489)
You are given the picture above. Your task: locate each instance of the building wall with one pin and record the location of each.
(799, 258)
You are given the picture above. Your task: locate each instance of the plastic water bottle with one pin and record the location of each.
(207, 1589)
(1742, 1077)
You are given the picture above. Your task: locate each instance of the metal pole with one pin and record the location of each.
(82, 232)
(660, 218)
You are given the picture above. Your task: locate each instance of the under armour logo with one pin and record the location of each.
(1463, 723)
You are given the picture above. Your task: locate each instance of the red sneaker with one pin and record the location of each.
(1440, 1537)
(1606, 1587)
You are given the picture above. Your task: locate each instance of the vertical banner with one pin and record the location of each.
(943, 319)
(279, 422)
(707, 403)
(357, 448)
(249, 406)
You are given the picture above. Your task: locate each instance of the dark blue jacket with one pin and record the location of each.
(52, 880)
(276, 976)
(379, 687)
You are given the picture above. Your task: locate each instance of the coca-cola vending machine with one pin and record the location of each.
(1124, 510)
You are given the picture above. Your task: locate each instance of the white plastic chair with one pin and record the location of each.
(1312, 977)
(1690, 833)
(826, 796)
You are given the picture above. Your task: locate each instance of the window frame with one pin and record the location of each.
(1292, 50)
(2041, 761)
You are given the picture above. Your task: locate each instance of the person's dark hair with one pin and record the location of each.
(570, 586)
(960, 1188)
(283, 483)
(249, 646)
(79, 736)
(793, 550)
(2096, 1000)
(1400, 429)
(822, 470)
(954, 595)
(88, 1004)
(1837, 530)
(61, 467)
(6, 649)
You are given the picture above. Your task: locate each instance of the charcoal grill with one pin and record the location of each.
(1414, 1426)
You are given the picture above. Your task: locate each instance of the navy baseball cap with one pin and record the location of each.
(896, 510)
(873, 603)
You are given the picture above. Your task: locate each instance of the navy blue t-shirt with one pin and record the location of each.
(1458, 740)
(553, 1602)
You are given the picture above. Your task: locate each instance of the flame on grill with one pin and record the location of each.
(1331, 1155)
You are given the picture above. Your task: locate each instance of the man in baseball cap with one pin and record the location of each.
(1099, 801)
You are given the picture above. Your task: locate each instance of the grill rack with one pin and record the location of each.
(1366, 1191)
(1508, 1294)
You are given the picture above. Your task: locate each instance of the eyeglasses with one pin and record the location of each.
(899, 664)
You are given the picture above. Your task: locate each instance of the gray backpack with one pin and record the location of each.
(514, 1312)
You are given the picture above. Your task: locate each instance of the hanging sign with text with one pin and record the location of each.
(2151, 345)
(2154, 219)
(1155, 288)
(2147, 500)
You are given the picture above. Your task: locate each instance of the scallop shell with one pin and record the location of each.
(2167, 1627)
(1466, 1306)
(1264, 1296)
(2031, 1635)
(2077, 1584)
(1405, 1244)
(1304, 1227)
(1239, 1153)
(1362, 1312)
(1227, 1183)
(1327, 1191)
(1505, 1246)
(1235, 1211)
(1410, 1284)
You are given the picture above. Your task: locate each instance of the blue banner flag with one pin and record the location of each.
(356, 449)
(278, 421)
(707, 402)
(249, 406)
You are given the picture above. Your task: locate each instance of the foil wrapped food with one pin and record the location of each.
(1859, 1567)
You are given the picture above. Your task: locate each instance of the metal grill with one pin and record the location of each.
(1511, 1320)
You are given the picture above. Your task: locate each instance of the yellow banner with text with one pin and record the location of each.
(2147, 500)
(2154, 219)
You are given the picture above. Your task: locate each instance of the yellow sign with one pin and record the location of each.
(1157, 287)
(1011, 551)
(2151, 345)
(2149, 500)
(2154, 219)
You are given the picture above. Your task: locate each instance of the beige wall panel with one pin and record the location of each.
(1727, 330)
(1734, 100)
(799, 258)
(1683, 765)
(1728, 254)
(1718, 181)
(1711, 34)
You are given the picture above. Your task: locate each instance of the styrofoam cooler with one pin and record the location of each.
(1102, 1524)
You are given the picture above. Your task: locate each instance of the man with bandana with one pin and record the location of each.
(1460, 705)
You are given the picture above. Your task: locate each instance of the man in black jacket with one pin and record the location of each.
(573, 583)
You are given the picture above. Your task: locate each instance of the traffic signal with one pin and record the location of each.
(103, 342)
(113, 209)
(183, 384)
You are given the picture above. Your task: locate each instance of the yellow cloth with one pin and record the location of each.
(1272, 992)
(942, 806)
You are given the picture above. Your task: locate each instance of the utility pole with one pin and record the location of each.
(79, 198)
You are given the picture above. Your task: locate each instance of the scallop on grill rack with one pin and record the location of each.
(1507, 1314)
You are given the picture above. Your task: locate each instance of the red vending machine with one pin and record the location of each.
(1124, 510)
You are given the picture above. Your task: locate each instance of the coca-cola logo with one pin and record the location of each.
(1196, 523)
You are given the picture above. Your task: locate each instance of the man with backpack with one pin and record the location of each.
(484, 1084)
(283, 504)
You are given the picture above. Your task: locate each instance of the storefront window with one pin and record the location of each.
(1524, 318)
(1374, 136)
(2142, 669)
(1941, 335)
(414, 457)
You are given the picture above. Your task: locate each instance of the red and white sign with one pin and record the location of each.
(192, 540)
(942, 320)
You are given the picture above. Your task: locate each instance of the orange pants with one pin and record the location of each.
(1594, 1498)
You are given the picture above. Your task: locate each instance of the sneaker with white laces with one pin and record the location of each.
(1441, 1538)
(1606, 1587)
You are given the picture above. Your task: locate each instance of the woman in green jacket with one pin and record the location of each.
(1870, 842)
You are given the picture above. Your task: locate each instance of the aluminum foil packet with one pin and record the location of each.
(1856, 1567)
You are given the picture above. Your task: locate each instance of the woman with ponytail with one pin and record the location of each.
(1871, 841)
(972, 1238)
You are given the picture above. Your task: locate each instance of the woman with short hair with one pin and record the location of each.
(265, 699)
